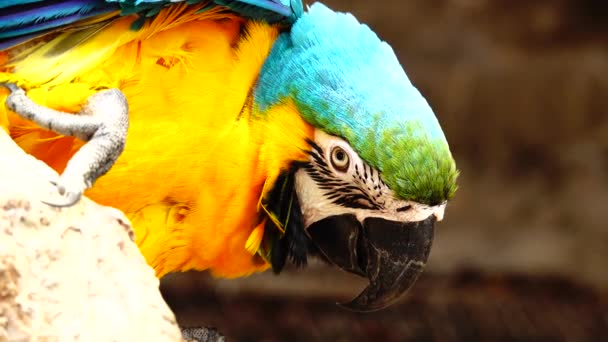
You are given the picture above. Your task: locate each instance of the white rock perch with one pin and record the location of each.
(70, 274)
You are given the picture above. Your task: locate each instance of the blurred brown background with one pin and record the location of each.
(521, 90)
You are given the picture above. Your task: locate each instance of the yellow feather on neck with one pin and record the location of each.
(197, 161)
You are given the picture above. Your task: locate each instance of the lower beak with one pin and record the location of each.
(390, 254)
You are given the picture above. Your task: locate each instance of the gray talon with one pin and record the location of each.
(102, 124)
(71, 198)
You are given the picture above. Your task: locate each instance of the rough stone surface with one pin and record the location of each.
(70, 274)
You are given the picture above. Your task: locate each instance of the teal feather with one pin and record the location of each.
(349, 83)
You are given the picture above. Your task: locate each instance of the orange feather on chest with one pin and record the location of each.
(197, 160)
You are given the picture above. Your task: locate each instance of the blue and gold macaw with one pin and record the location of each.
(258, 133)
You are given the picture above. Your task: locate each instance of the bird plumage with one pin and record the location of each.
(348, 82)
(198, 131)
(258, 133)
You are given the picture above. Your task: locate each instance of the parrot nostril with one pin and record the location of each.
(404, 208)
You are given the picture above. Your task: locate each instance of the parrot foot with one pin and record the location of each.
(102, 123)
(202, 335)
(69, 197)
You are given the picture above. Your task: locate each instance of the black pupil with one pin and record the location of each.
(340, 156)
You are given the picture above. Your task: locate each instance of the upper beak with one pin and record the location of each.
(390, 254)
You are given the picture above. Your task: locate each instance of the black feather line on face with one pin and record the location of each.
(283, 203)
(340, 192)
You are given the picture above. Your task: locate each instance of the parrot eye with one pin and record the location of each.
(339, 159)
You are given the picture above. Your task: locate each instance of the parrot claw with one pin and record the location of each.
(202, 335)
(69, 197)
(102, 124)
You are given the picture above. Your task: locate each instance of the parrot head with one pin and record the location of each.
(379, 172)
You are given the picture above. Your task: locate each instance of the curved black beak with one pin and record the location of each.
(390, 254)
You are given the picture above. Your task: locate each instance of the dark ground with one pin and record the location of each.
(464, 306)
(521, 90)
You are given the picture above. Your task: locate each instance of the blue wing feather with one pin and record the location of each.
(22, 20)
(277, 7)
(27, 19)
(15, 21)
(10, 3)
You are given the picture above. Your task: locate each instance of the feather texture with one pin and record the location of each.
(23, 20)
(188, 77)
(349, 83)
(10, 3)
(220, 105)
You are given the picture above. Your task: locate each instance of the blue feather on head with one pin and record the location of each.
(349, 83)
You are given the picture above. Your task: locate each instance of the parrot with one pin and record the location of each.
(237, 136)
